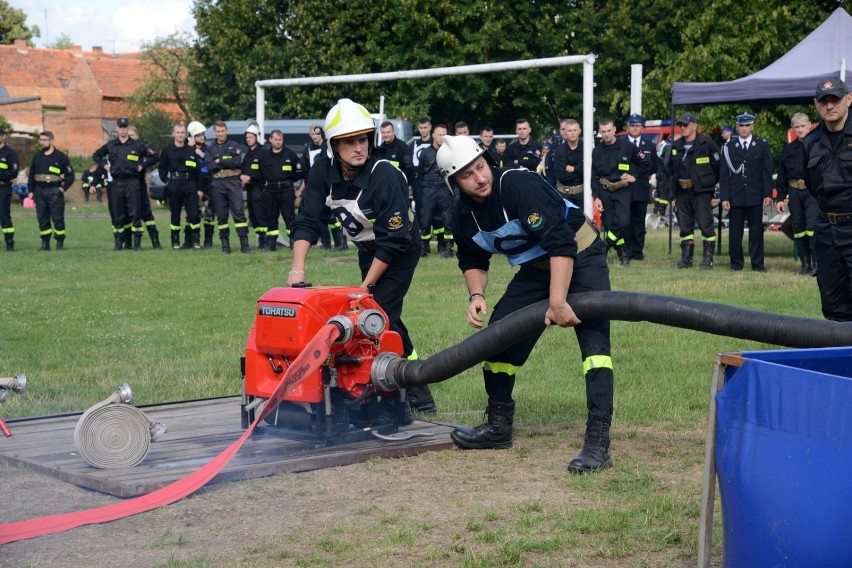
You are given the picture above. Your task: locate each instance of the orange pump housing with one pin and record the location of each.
(286, 319)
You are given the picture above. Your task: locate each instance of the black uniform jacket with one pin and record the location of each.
(640, 190)
(378, 191)
(181, 160)
(125, 158)
(526, 155)
(9, 165)
(829, 175)
(700, 164)
(521, 195)
(56, 163)
(563, 156)
(790, 166)
(754, 182)
(229, 154)
(399, 154)
(609, 161)
(251, 167)
(282, 166)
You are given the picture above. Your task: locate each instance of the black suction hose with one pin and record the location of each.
(391, 372)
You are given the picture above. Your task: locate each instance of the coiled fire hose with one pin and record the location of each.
(391, 372)
(114, 434)
(7, 385)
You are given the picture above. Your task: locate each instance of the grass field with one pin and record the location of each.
(173, 325)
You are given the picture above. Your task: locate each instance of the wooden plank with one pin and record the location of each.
(198, 431)
(708, 483)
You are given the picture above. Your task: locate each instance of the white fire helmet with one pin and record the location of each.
(253, 128)
(455, 153)
(347, 118)
(195, 128)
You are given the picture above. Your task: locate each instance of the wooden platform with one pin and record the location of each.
(198, 431)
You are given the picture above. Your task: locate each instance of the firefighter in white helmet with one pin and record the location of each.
(518, 214)
(369, 197)
(252, 179)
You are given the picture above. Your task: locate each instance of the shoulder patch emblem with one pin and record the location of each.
(535, 220)
(395, 222)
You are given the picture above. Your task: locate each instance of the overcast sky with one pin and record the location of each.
(115, 25)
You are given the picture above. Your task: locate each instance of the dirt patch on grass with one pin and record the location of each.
(451, 508)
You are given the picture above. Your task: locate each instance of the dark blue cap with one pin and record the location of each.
(636, 119)
(745, 118)
(122, 122)
(687, 118)
(727, 128)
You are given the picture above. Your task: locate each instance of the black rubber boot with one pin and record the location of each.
(707, 259)
(261, 241)
(118, 241)
(448, 249)
(155, 237)
(137, 242)
(60, 243)
(244, 245)
(426, 249)
(623, 255)
(127, 239)
(687, 249)
(421, 400)
(813, 265)
(45, 243)
(595, 453)
(325, 240)
(10, 243)
(208, 235)
(495, 434)
(175, 240)
(271, 243)
(187, 238)
(388, 417)
(196, 239)
(339, 239)
(226, 243)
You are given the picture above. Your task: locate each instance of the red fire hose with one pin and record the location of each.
(313, 356)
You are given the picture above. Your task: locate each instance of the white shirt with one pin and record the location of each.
(745, 143)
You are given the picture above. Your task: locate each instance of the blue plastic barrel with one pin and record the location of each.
(784, 459)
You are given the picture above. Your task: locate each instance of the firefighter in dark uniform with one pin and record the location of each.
(793, 194)
(124, 159)
(395, 150)
(9, 166)
(663, 193)
(567, 167)
(180, 170)
(366, 195)
(146, 214)
(745, 188)
(92, 182)
(829, 178)
(694, 172)
(615, 165)
(640, 190)
(424, 127)
(437, 199)
(524, 152)
(281, 171)
(559, 252)
(253, 184)
(316, 148)
(50, 176)
(198, 139)
(225, 165)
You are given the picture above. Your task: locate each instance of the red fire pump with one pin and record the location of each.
(338, 403)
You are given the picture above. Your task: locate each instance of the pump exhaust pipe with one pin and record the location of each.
(391, 372)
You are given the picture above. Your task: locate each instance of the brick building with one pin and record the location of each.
(75, 94)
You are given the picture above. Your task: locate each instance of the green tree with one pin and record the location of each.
(155, 127)
(4, 124)
(13, 25)
(62, 42)
(168, 61)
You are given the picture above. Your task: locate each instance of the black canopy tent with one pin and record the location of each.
(793, 78)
